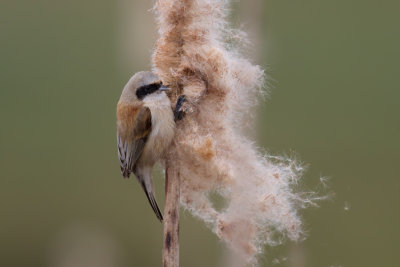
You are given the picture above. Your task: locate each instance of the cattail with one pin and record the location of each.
(194, 55)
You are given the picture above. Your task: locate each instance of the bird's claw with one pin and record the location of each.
(178, 114)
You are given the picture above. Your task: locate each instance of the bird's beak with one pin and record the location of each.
(164, 88)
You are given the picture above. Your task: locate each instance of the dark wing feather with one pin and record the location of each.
(130, 149)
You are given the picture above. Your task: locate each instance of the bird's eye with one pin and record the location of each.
(145, 90)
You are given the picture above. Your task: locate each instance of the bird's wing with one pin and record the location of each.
(130, 149)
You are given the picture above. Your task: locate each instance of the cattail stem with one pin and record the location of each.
(170, 252)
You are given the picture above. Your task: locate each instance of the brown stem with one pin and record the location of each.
(170, 252)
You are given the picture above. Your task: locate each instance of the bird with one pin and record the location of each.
(145, 129)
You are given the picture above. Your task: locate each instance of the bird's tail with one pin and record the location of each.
(150, 196)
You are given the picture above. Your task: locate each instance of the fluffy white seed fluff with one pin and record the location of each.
(194, 55)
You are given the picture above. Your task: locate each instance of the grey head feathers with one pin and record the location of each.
(140, 85)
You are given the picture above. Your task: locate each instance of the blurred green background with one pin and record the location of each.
(334, 101)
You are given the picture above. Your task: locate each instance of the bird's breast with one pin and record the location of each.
(162, 131)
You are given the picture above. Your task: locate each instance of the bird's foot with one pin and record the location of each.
(178, 114)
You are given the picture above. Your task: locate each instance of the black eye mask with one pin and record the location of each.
(144, 90)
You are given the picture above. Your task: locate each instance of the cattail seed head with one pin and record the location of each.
(195, 57)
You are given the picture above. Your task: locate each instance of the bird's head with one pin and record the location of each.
(142, 85)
